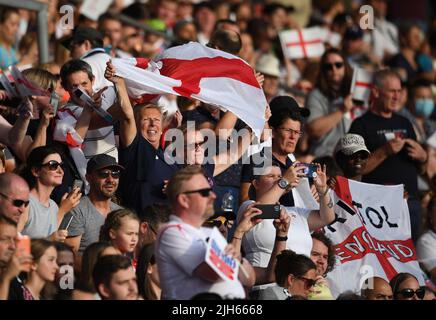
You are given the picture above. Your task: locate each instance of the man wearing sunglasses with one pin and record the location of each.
(181, 244)
(85, 220)
(14, 196)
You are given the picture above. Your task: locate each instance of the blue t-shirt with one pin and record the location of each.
(8, 57)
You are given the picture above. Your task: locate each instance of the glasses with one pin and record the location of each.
(53, 165)
(308, 283)
(203, 192)
(409, 293)
(196, 145)
(292, 132)
(16, 202)
(329, 66)
(106, 173)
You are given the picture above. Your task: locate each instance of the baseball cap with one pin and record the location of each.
(353, 33)
(350, 144)
(287, 102)
(101, 161)
(81, 34)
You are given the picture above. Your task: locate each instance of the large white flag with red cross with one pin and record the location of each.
(371, 235)
(302, 43)
(361, 84)
(196, 71)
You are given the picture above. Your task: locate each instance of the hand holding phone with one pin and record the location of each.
(54, 101)
(269, 211)
(309, 170)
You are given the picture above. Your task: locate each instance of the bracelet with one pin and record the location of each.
(237, 238)
(278, 238)
(322, 194)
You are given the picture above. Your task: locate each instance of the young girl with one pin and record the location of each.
(42, 271)
(147, 275)
(121, 229)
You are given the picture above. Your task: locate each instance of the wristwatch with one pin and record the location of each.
(283, 184)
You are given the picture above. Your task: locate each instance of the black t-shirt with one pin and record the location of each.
(142, 180)
(257, 161)
(398, 168)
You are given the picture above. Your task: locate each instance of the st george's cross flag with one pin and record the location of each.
(199, 72)
(361, 84)
(371, 235)
(302, 43)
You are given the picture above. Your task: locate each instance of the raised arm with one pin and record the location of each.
(128, 129)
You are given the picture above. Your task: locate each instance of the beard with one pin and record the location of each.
(209, 212)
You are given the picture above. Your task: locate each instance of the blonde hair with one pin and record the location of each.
(43, 78)
(175, 184)
(113, 222)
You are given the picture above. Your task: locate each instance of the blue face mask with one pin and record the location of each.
(424, 107)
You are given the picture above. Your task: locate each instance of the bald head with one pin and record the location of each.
(380, 289)
(14, 195)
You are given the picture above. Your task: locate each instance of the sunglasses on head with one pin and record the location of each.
(329, 66)
(104, 174)
(308, 283)
(16, 202)
(203, 192)
(409, 293)
(53, 165)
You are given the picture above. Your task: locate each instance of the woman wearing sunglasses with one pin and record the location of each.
(295, 273)
(405, 286)
(329, 104)
(43, 172)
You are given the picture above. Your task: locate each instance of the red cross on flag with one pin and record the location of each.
(196, 71)
(302, 43)
(361, 84)
(329, 37)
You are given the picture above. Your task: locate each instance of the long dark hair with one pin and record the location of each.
(323, 84)
(398, 280)
(145, 258)
(35, 160)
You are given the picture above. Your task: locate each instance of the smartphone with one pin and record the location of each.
(78, 183)
(309, 169)
(269, 211)
(54, 101)
(23, 248)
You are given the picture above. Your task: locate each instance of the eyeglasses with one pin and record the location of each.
(329, 66)
(203, 192)
(292, 132)
(104, 174)
(308, 283)
(53, 165)
(409, 293)
(16, 202)
(196, 145)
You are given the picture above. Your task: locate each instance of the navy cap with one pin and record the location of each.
(287, 102)
(101, 161)
(353, 33)
(81, 34)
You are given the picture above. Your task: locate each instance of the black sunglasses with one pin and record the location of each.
(53, 165)
(329, 66)
(203, 192)
(196, 145)
(104, 174)
(16, 202)
(308, 283)
(409, 293)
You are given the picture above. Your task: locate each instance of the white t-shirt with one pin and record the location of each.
(180, 249)
(258, 243)
(426, 250)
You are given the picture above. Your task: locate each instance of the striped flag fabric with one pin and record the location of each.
(361, 84)
(302, 43)
(199, 72)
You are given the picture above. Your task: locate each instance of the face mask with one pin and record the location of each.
(424, 107)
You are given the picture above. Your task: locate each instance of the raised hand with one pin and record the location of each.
(248, 220)
(320, 180)
(110, 72)
(282, 223)
(293, 174)
(70, 200)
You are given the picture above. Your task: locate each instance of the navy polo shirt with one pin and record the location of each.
(142, 180)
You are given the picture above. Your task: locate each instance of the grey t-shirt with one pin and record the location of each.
(86, 222)
(320, 106)
(42, 220)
